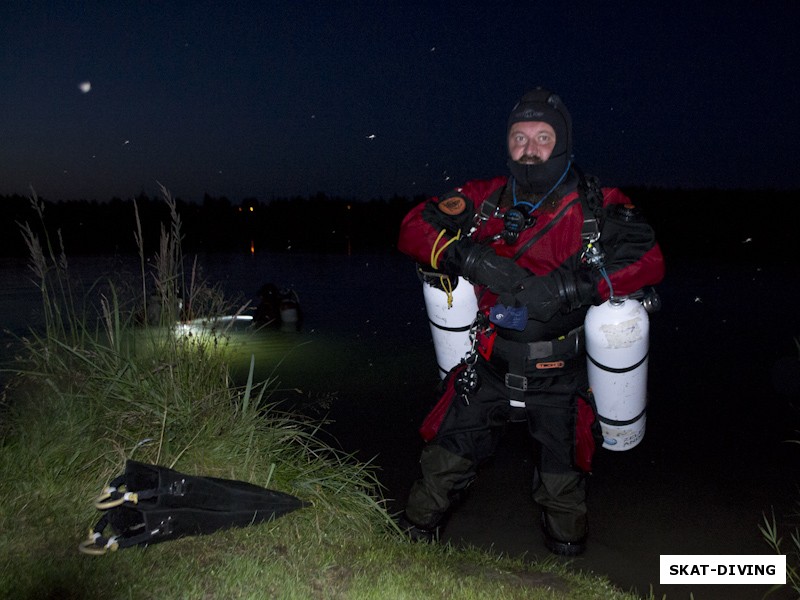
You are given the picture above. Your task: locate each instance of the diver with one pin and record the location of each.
(530, 243)
(278, 307)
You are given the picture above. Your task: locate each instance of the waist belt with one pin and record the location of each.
(517, 362)
(568, 346)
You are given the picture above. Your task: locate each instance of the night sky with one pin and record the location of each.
(372, 99)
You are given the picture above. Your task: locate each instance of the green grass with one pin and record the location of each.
(95, 388)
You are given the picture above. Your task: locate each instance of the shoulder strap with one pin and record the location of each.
(590, 192)
(592, 200)
(489, 206)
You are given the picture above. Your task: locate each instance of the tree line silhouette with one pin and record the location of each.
(319, 223)
(734, 224)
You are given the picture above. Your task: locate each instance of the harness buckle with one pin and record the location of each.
(516, 382)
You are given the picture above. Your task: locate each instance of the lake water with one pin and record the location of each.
(722, 384)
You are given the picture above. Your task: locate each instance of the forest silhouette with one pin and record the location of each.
(730, 224)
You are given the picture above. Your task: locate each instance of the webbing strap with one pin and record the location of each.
(460, 329)
(566, 346)
(617, 369)
(617, 423)
(489, 206)
(515, 380)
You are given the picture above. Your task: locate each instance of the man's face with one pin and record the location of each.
(531, 142)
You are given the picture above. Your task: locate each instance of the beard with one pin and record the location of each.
(538, 176)
(530, 159)
(534, 179)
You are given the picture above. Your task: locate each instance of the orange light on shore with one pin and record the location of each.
(252, 247)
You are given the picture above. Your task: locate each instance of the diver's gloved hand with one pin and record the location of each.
(578, 288)
(479, 264)
(558, 291)
(453, 212)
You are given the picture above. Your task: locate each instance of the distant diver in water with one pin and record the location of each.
(278, 307)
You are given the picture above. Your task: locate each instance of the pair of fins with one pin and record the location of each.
(148, 504)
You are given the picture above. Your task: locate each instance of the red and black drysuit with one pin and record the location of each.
(538, 373)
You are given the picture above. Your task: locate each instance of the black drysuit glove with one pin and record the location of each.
(453, 212)
(558, 291)
(480, 265)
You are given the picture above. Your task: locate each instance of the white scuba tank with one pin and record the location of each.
(450, 323)
(617, 345)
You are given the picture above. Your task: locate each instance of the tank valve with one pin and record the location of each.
(651, 301)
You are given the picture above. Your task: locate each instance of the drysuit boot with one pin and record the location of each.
(415, 532)
(443, 474)
(562, 497)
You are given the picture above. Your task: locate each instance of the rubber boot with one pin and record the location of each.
(417, 533)
(562, 497)
(559, 547)
(443, 472)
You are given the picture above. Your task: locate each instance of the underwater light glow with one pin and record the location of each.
(212, 325)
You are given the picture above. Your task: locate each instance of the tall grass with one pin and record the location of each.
(51, 274)
(102, 382)
(771, 532)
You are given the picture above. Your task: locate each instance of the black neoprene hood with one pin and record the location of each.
(543, 105)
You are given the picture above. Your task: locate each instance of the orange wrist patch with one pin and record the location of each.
(452, 206)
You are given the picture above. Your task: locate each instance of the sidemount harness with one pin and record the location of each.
(548, 357)
(589, 195)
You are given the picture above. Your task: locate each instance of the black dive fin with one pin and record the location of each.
(150, 503)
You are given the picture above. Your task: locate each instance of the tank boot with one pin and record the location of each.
(559, 547)
(417, 533)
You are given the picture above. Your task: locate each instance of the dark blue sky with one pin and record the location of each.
(369, 99)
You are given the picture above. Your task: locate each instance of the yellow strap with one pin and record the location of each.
(436, 252)
(104, 502)
(447, 286)
(89, 547)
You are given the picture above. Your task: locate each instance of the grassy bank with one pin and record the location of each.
(109, 379)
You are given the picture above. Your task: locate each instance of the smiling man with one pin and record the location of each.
(540, 247)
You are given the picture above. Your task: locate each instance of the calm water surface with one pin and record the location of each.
(363, 322)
